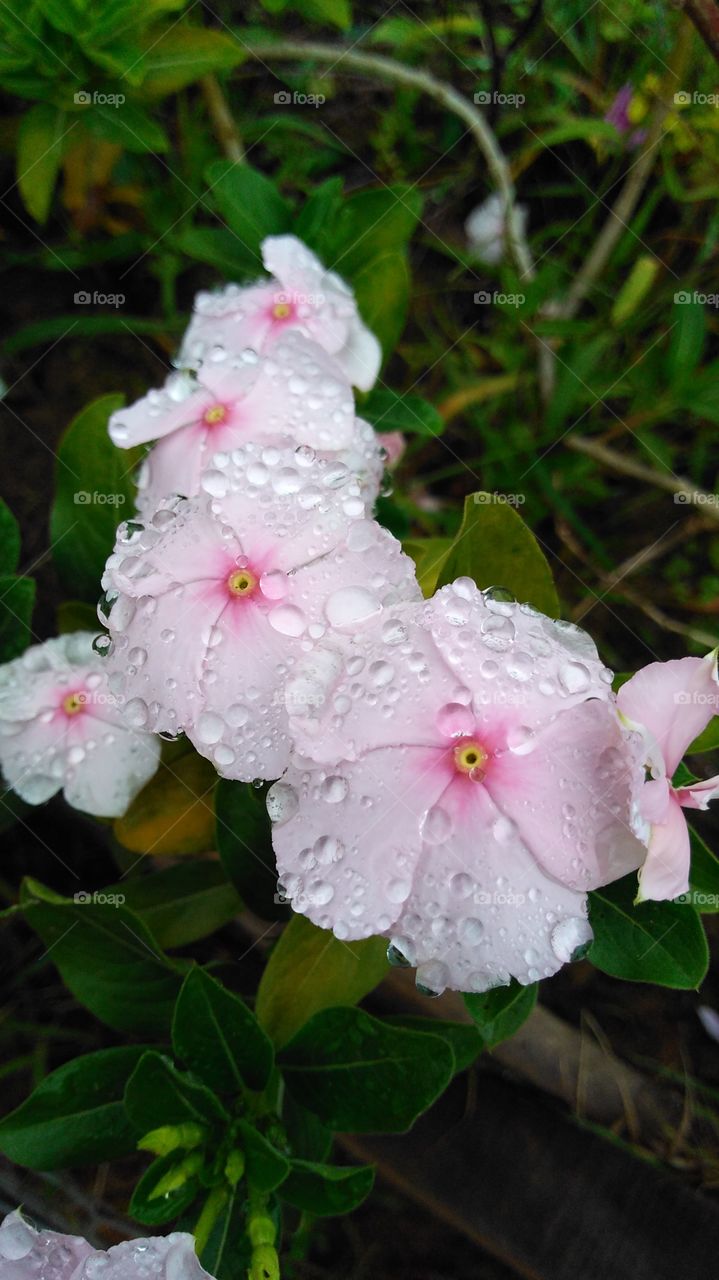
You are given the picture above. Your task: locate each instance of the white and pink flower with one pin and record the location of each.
(296, 391)
(62, 729)
(28, 1254)
(671, 703)
(462, 780)
(301, 295)
(214, 600)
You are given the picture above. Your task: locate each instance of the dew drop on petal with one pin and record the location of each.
(569, 936)
(287, 620)
(350, 605)
(435, 825)
(334, 789)
(209, 727)
(282, 802)
(574, 677)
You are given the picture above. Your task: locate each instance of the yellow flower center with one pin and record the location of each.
(242, 582)
(470, 757)
(215, 414)
(282, 310)
(73, 703)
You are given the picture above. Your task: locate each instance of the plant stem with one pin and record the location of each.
(222, 119)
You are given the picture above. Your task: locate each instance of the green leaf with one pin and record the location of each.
(498, 1013)
(174, 812)
(127, 125)
(309, 970)
(94, 493)
(335, 13)
(635, 288)
(703, 877)
(250, 204)
(76, 615)
(152, 1207)
(325, 1189)
(183, 54)
(39, 153)
(318, 215)
(107, 958)
(708, 739)
(686, 343)
(244, 842)
(382, 291)
(9, 540)
(218, 1037)
(410, 414)
(76, 1115)
(661, 942)
(308, 1138)
(495, 547)
(158, 1094)
(370, 225)
(360, 1075)
(227, 1254)
(17, 601)
(219, 248)
(182, 904)
(265, 1167)
(465, 1040)
(429, 555)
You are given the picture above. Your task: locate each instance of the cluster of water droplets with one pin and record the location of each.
(48, 1255)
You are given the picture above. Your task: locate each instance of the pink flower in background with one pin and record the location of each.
(619, 115)
(301, 295)
(210, 605)
(672, 702)
(27, 1254)
(295, 391)
(394, 445)
(62, 728)
(462, 780)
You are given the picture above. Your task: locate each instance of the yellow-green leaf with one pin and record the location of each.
(174, 813)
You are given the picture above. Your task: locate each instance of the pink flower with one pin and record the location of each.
(211, 604)
(297, 390)
(27, 1254)
(671, 702)
(62, 728)
(302, 295)
(394, 445)
(465, 780)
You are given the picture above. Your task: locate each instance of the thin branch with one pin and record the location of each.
(222, 119)
(705, 16)
(706, 503)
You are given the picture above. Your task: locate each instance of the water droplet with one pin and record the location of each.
(574, 677)
(569, 937)
(351, 605)
(398, 890)
(334, 789)
(287, 620)
(432, 978)
(209, 727)
(435, 825)
(282, 802)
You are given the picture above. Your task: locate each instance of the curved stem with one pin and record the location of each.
(383, 68)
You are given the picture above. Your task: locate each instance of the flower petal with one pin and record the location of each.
(697, 795)
(181, 402)
(674, 701)
(111, 773)
(665, 873)
(348, 839)
(570, 790)
(481, 910)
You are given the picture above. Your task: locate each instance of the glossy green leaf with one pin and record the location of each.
(318, 216)
(94, 492)
(9, 540)
(107, 957)
(464, 1039)
(128, 126)
(244, 842)
(250, 204)
(703, 876)
(76, 1115)
(660, 942)
(265, 1167)
(495, 547)
(17, 601)
(309, 1139)
(219, 248)
(158, 1094)
(370, 225)
(708, 739)
(410, 414)
(361, 1075)
(227, 1253)
(182, 904)
(309, 970)
(183, 54)
(39, 153)
(150, 1205)
(498, 1013)
(218, 1037)
(325, 1189)
(429, 555)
